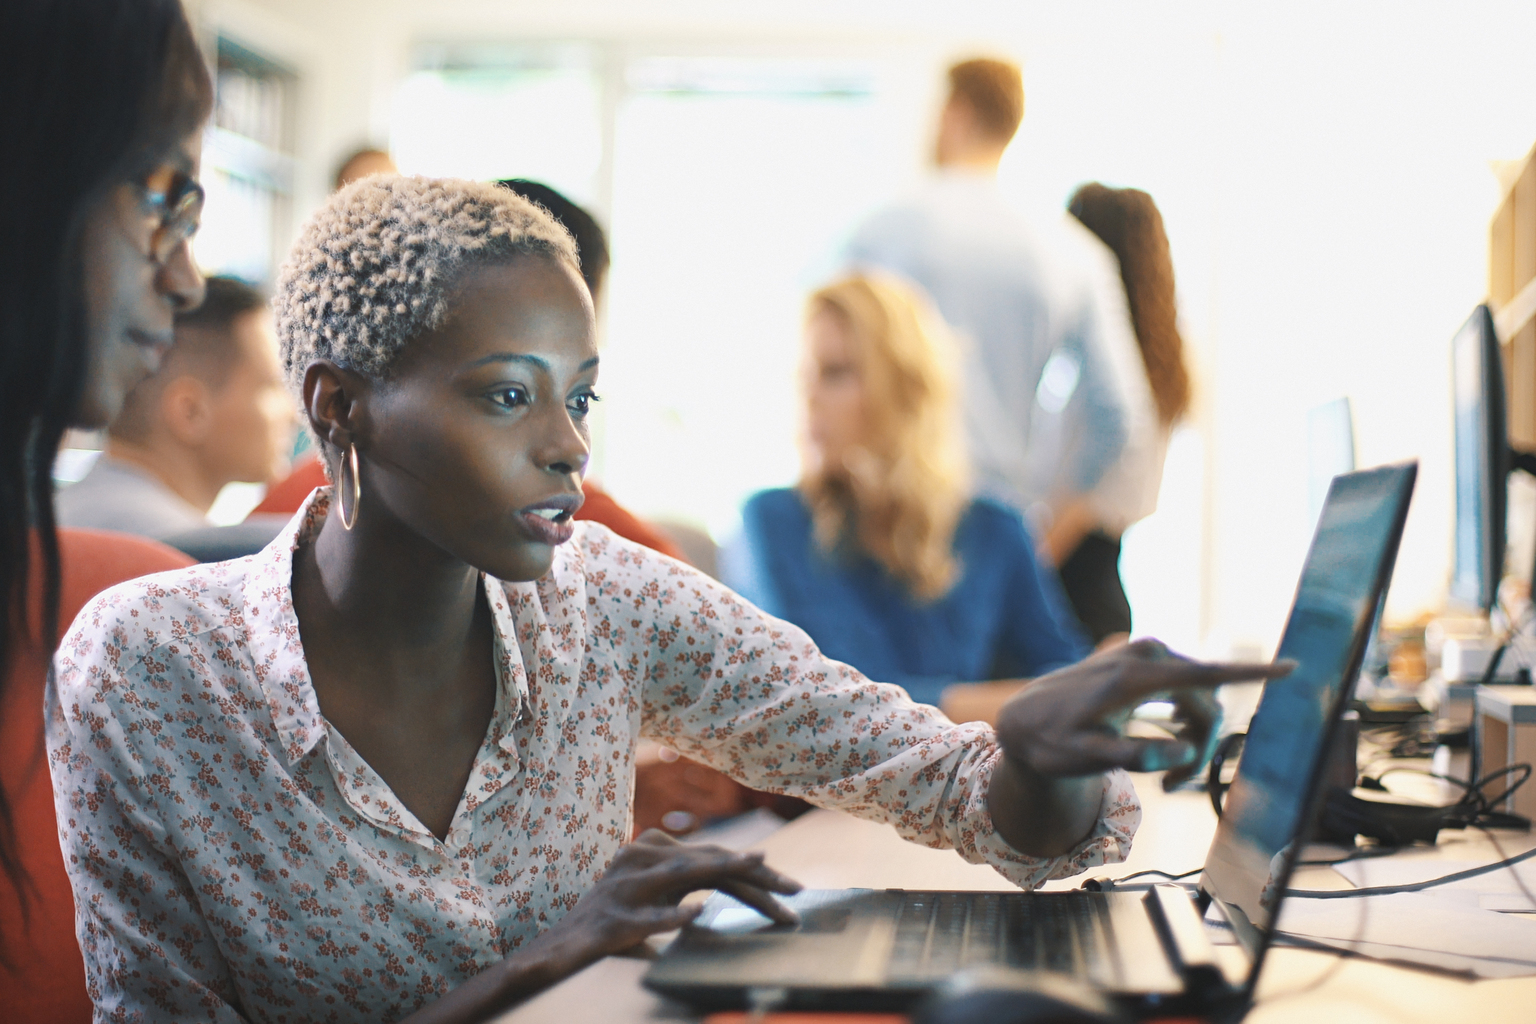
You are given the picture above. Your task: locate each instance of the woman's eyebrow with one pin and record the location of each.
(519, 357)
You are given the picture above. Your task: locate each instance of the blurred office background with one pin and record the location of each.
(1327, 173)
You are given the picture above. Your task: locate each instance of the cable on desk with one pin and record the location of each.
(1359, 853)
(1363, 853)
(1499, 849)
(1387, 890)
(1100, 884)
(1476, 807)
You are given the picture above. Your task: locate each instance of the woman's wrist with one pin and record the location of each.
(547, 960)
(1040, 815)
(550, 958)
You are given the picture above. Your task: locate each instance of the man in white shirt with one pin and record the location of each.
(216, 412)
(1054, 387)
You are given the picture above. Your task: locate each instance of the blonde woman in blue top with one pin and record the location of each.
(880, 553)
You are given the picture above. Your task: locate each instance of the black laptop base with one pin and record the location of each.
(887, 950)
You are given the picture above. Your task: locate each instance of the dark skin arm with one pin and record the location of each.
(1060, 734)
(1063, 731)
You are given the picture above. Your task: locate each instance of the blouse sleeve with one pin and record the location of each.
(148, 952)
(748, 694)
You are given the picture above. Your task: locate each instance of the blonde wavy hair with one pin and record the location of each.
(899, 495)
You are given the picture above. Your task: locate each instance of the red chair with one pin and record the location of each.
(288, 494)
(45, 982)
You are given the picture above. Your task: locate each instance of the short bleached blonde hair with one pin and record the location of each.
(898, 497)
(375, 266)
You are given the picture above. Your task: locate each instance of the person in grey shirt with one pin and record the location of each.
(216, 412)
(1053, 384)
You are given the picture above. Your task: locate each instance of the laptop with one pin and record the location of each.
(1150, 950)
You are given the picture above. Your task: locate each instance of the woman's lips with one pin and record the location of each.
(153, 346)
(550, 520)
(548, 531)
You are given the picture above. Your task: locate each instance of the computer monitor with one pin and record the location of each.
(1330, 449)
(1483, 462)
(1331, 453)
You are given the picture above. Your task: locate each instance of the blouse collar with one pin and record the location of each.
(272, 629)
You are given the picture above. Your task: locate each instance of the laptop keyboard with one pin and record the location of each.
(1064, 932)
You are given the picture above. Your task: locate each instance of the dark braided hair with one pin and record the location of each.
(96, 93)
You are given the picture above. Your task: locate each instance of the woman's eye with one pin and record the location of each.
(509, 398)
(581, 404)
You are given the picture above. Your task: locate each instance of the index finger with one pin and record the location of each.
(1178, 673)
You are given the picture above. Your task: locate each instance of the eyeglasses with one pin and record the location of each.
(176, 200)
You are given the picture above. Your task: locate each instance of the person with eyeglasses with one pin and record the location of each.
(102, 104)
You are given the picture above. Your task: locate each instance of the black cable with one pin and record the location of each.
(1512, 631)
(1156, 871)
(1475, 808)
(1364, 853)
(1519, 882)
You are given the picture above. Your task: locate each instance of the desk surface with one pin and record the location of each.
(828, 850)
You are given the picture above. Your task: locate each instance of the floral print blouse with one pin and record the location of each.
(234, 859)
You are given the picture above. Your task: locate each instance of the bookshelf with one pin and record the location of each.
(1512, 296)
(248, 156)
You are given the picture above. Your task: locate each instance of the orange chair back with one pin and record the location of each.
(46, 977)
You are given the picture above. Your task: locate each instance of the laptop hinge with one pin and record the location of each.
(1183, 932)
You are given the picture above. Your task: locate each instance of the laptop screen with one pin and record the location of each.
(1274, 792)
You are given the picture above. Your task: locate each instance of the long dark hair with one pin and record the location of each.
(1127, 220)
(96, 93)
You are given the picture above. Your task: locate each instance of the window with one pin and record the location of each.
(726, 184)
(487, 114)
(734, 182)
(248, 166)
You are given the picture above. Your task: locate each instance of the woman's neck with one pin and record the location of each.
(391, 598)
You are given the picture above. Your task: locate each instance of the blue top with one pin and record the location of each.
(1004, 618)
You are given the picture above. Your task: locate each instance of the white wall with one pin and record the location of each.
(1322, 168)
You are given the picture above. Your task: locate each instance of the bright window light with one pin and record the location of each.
(732, 191)
(491, 123)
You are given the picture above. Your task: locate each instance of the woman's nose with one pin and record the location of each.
(180, 281)
(564, 448)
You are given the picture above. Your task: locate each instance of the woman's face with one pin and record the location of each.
(478, 440)
(131, 299)
(833, 383)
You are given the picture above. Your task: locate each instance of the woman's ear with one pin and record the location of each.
(333, 401)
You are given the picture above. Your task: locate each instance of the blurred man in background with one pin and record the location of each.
(216, 412)
(363, 163)
(1052, 385)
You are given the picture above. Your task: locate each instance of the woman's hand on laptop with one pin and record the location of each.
(1061, 732)
(637, 896)
(640, 893)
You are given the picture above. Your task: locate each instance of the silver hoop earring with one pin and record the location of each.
(349, 484)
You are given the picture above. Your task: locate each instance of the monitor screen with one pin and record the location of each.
(1274, 791)
(1330, 449)
(1482, 462)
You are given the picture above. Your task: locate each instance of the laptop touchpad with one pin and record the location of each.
(819, 915)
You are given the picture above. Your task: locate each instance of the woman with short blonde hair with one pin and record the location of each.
(382, 770)
(880, 552)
